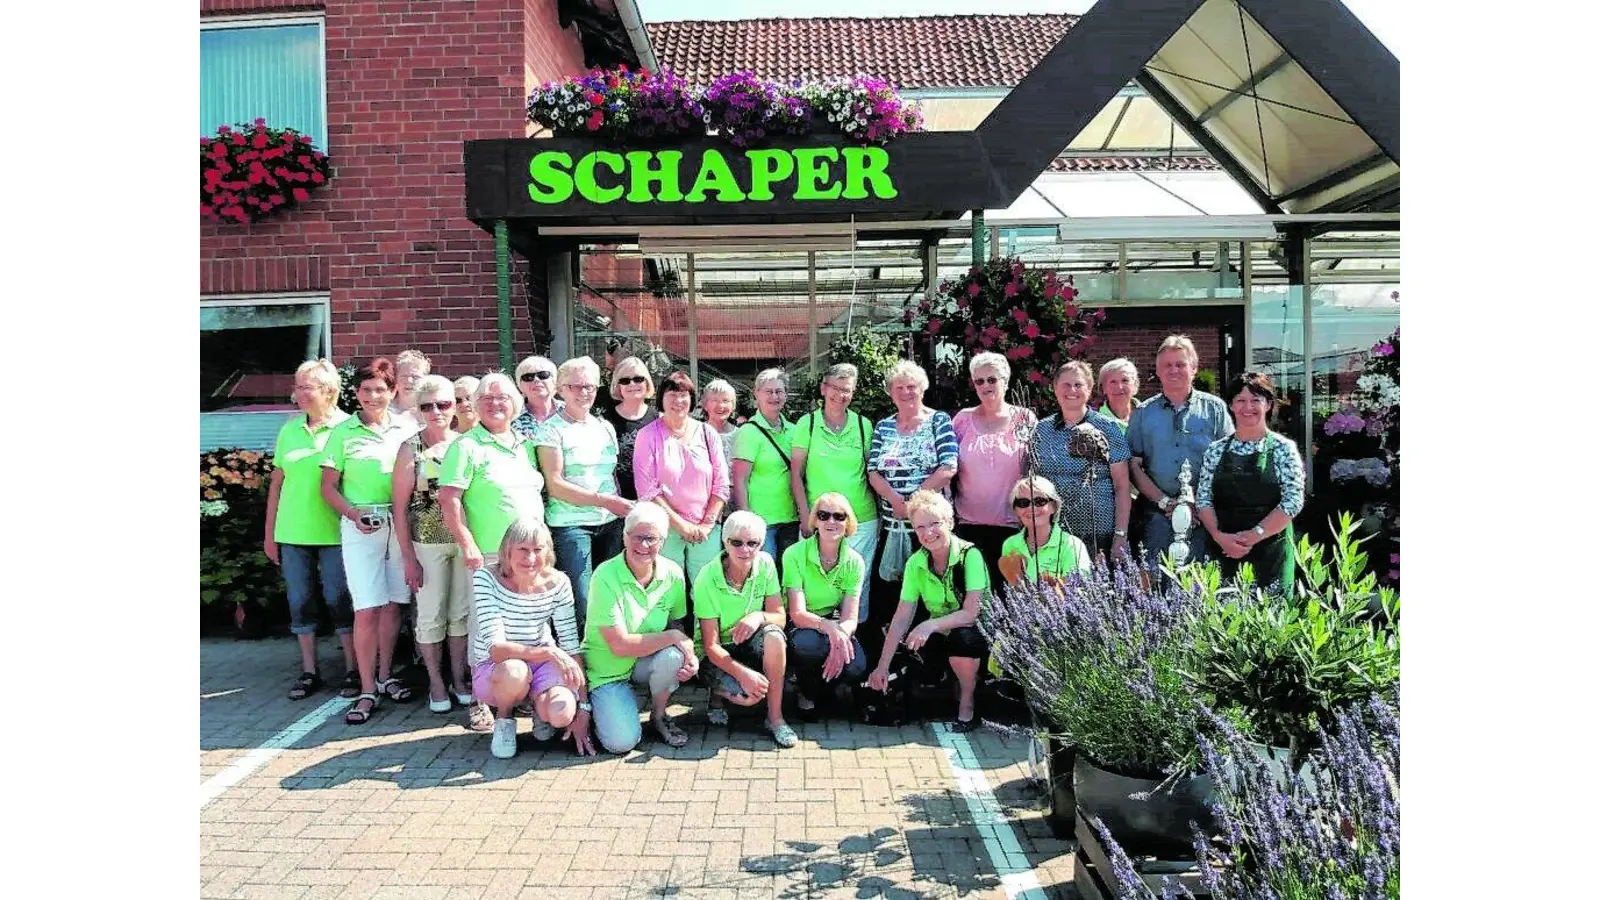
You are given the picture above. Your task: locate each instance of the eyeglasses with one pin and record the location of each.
(441, 406)
(581, 388)
(536, 376)
(644, 540)
(632, 379)
(737, 544)
(824, 516)
(1036, 502)
(992, 379)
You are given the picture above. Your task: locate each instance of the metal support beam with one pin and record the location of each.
(979, 238)
(1245, 283)
(994, 243)
(562, 296)
(1296, 265)
(1179, 114)
(502, 288)
(1243, 90)
(811, 306)
(693, 323)
(1337, 177)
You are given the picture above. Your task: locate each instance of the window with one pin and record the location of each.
(270, 68)
(249, 349)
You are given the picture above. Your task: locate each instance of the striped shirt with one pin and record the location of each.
(500, 615)
(906, 460)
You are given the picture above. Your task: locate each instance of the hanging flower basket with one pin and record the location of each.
(741, 108)
(249, 172)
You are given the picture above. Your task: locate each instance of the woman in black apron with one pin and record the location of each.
(1252, 484)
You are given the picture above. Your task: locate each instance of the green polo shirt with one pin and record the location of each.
(937, 593)
(303, 516)
(768, 489)
(837, 462)
(615, 598)
(714, 598)
(364, 456)
(824, 591)
(497, 483)
(1062, 553)
(1106, 411)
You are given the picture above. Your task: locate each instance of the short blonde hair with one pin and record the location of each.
(504, 381)
(323, 373)
(837, 498)
(933, 502)
(744, 521)
(468, 383)
(767, 375)
(412, 356)
(435, 385)
(1180, 342)
(1035, 486)
(1120, 364)
(990, 360)
(576, 366)
(526, 531)
(531, 363)
(633, 362)
(905, 370)
(720, 386)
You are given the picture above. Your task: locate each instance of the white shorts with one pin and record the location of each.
(373, 566)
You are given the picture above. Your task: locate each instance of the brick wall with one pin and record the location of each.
(1138, 343)
(388, 238)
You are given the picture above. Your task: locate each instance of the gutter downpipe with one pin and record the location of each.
(633, 23)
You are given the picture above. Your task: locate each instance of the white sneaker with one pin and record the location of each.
(503, 745)
(542, 730)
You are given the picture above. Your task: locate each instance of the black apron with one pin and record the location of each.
(1244, 490)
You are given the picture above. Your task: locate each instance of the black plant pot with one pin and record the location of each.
(1157, 825)
(1059, 756)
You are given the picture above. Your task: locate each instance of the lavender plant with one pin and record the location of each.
(1333, 834)
(1101, 657)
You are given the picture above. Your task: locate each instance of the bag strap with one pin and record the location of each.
(772, 440)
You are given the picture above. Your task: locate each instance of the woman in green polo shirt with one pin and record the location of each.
(823, 576)
(490, 476)
(829, 454)
(939, 612)
(760, 479)
(740, 613)
(1040, 549)
(358, 482)
(637, 632)
(303, 530)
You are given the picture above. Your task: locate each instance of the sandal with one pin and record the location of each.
(717, 715)
(670, 733)
(962, 726)
(307, 684)
(783, 735)
(350, 688)
(394, 690)
(480, 718)
(359, 716)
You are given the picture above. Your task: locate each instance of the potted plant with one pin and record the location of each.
(1332, 832)
(238, 584)
(1101, 657)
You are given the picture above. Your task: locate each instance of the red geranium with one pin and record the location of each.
(261, 191)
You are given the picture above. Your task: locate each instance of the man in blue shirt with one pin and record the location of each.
(1175, 425)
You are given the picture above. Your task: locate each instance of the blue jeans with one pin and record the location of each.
(302, 566)
(808, 650)
(865, 542)
(615, 716)
(1158, 539)
(579, 548)
(779, 539)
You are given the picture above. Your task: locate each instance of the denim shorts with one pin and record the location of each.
(305, 570)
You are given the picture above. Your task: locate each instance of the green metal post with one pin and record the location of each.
(980, 238)
(502, 289)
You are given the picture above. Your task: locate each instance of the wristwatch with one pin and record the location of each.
(1165, 503)
(1121, 532)
(585, 706)
(1260, 532)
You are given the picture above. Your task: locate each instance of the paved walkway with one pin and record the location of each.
(412, 805)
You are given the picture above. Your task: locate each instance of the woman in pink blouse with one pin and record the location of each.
(992, 444)
(678, 463)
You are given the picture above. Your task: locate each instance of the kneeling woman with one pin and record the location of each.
(824, 577)
(948, 577)
(1042, 549)
(741, 618)
(637, 632)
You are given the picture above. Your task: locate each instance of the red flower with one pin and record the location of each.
(261, 123)
(226, 129)
(317, 178)
(305, 139)
(1011, 289)
(624, 68)
(238, 139)
(973, 290)
(595, 99)
(301, 195)
(260, 141)
(1031, 331)
(986, 340)
(1017, 269)
(219, 149)
(1014, 353)
(1020, 314)
(961, 303)
(595, 120)
(1035, 377)
(933, 325)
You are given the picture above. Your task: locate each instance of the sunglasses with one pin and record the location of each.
(632, 379)
(992, 379)
(441, 406)
(536, 376)
(824, 516)
(1036, 502)
(737, 544)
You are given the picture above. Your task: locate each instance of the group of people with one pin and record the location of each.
(559, 554)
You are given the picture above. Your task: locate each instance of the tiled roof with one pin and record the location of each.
(908, 52)
(1134, 164)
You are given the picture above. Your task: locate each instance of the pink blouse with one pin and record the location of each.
(990, 465)
(687, 472)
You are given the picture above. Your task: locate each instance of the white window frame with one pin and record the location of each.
(264, 20)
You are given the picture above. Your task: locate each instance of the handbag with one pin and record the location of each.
(896, 549)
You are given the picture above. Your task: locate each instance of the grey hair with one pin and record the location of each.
(1179, 342)
(743, 520)
(720, 386)
(525, 531)
(1123, 365)
(434, 385)
(577, 366)
(842, 370)
(767, 375)
(531, 363)
(990, 360)
(412, 356)
(468, 383)
(645, 513)
(322, 372)
(504, 381)
(1038, 485)
(903, 370)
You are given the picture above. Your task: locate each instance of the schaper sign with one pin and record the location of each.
(752, 176)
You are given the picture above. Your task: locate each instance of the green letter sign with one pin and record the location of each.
(602, 177)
